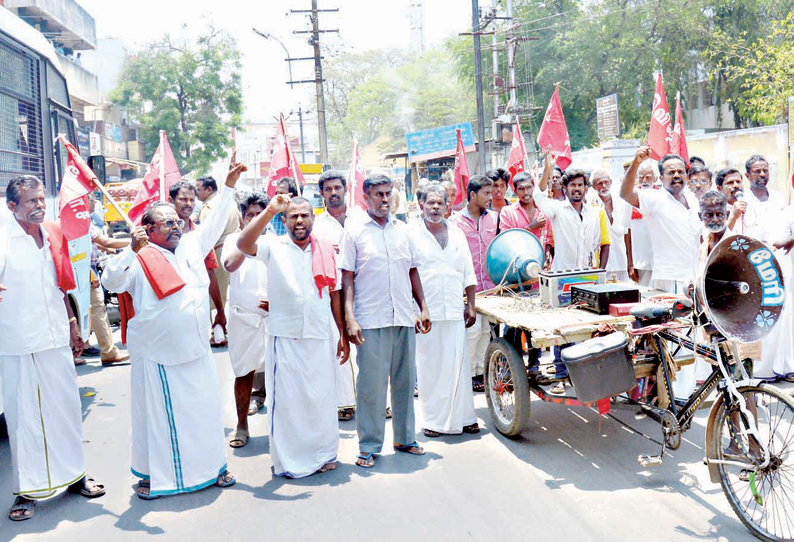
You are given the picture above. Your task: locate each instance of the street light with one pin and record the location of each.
(271, 36)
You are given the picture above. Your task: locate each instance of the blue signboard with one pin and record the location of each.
(438, 142)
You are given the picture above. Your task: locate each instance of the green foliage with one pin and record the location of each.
(190, 90)
(381, 95)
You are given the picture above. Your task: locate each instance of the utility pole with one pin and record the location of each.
(475, 29)
(314, 41)
(303, 145)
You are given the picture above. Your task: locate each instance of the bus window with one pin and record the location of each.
(62, 124)
(21, 145)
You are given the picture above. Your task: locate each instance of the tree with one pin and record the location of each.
(190, 90)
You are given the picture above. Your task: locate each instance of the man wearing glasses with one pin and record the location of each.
(178, 442)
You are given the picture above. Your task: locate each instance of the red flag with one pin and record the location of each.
(554, 132)
(78, 182)
(461, 172)
(280, 163)
(163, 165)
(355, 180)
(660, 136)
(516, 162)
(678, 141)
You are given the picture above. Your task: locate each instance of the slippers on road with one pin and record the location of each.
(256, 405)
(239, 438)
(21, 504)
(146, 496)
(412, 448)
(87, 487)
(365, 460)
(225, 479)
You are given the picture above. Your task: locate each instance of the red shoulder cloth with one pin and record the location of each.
(323, 264)
(59, 247)
(162, 277)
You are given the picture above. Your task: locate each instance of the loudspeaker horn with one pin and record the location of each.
(514, 256)
(742, 288)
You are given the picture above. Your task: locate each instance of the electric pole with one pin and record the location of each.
(303, 146)
(475, 29)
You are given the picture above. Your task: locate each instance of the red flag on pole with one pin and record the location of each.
(554, 132)
(355, 180)
(517, 161)
(160, 175)
(78, 182)
(461, 171)
(678, 141)
(660, 135)
(280, 163)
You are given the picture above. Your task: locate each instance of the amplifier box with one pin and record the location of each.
(598, 297)
(555, 286)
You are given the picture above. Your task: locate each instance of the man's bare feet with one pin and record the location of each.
(327, 467)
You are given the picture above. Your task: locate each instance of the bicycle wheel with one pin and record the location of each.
(506, 388)
(761, 498)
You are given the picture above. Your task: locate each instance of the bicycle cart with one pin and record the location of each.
(631, 365)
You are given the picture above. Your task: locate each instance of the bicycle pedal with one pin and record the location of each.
(649, 460)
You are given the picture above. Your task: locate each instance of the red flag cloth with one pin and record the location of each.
(280, 163)
(323, 264)
(150, 186)
(126, 312)
(78, 182)
(554, 132)
(461, 171)
(355, 180)
(660, 135)
(516, 162)
(678, 140)
(59, 246)
(297, 174)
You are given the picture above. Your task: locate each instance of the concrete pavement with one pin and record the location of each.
(574, 476)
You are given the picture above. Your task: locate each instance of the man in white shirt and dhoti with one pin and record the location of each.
(446, 404)
(248, 317)
(178, 442)
(330, 225)
(380, 277)
(302, 351)
(38, 337)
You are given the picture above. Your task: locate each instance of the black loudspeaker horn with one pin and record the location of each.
(742, 287)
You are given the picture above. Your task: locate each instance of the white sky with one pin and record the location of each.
(363, 24)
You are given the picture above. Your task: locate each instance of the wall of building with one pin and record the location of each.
(67, 14)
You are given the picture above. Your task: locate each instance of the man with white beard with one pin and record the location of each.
(617, 212)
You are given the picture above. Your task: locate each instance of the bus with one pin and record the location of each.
(34, 109)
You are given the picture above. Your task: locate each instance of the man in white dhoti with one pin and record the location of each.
(305, 304)
(248, 317)
(446, 404)
(330, 225)
(178, 444)
(38, 337)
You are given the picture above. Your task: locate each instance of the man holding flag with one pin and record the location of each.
(178, 442)
(39, 335)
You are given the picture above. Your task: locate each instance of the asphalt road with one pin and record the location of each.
(573, 476)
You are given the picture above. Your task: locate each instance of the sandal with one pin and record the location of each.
(225, 479)
(472, 429)
(412, 448)
(328, 467)
(558, 388)
(256, 405)
(87, 487)
(239, 438)
(21, 504)
(346, 414)
(366, 461)
(147, 485)
(430, 433)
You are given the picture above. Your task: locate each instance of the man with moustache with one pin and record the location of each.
(446, 405)
(767, 204)
(639, 249)
(305, 304)
(248, 318)
(330, 225)
(452, 194)
(178, 442)
(699, 180)
(479, 224)
(39, 335)
(501, 181)
(617, 214)
(379, 278)
(672, 220)
(524, 214)
(729, 181)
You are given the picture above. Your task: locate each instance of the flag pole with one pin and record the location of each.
(162, 166)
(290, 156)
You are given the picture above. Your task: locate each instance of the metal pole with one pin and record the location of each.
(475, 27)
(318, 78)
(303, 146)
(269, 36)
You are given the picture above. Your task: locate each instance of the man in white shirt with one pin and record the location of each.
(379, 278)
(576, 226)
(617, 212)
(178, 442)
(446, 404)
(305, 304)
(248, 317)
(764, 213)
(639, 249)
(39, 334)
(672, 215)
(330, 225)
